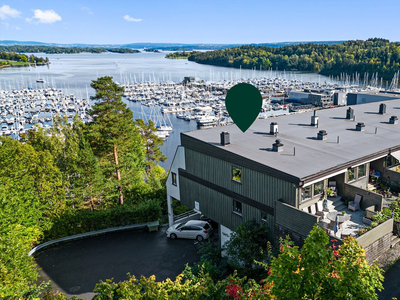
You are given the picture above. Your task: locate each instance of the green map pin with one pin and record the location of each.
(243, 102)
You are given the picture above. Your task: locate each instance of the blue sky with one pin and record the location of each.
(197, 21)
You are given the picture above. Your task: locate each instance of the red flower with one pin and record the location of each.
(281, 247)
(335, 252)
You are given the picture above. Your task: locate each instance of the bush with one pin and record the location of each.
(75, 222)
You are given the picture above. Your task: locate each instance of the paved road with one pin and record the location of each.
(391, 283)
(75, 267)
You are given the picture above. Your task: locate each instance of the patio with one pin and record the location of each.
(348, 227)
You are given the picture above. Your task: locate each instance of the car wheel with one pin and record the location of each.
(199, 238)
(173, 236)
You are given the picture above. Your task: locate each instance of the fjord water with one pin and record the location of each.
(73, 73)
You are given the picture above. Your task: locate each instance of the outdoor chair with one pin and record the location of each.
(320, 210)
(355, 205)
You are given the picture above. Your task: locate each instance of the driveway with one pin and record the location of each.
(75, 267)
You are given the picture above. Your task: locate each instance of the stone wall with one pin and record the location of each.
(378, 248)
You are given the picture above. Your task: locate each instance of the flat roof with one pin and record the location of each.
(312, 156)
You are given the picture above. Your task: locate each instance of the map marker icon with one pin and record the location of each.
(243, 102)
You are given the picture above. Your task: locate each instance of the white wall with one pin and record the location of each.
(178, 162)
(224, 234)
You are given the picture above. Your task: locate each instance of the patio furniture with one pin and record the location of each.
(332, 187)
(355, 205)
(320, 210)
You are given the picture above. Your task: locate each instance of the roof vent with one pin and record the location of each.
(314, 119)
(393, 120)
(382, 109)
(360, 126)
(225, 138)
(322, 135)
(277, 146)
(273, 128)
(350, 113)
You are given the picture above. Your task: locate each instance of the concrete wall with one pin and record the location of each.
(368, 198)
(393, 178)
(293, 222)
(377, 240)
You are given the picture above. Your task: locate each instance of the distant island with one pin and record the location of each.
(152, 50)
(180, 55)
(366, 58)
(63, 50)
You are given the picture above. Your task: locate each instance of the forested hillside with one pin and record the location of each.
(67, 50)
(373, 55)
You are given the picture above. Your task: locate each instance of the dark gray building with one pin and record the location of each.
(251, 175)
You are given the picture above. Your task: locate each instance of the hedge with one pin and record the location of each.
(84, 220)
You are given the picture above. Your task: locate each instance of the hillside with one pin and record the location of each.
(370, 56)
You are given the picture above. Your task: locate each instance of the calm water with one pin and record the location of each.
(73, 74)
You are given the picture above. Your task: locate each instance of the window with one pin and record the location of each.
(173, 178)
(318, 188)
(237, 207)
(264, 216)
(361, 171)
(236, 174)
(306, 193)
(351, 174)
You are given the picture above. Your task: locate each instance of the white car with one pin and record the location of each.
(194, 229)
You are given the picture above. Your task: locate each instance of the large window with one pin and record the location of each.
(318, 188)
(236, 174)
(351, 174)
(306, 193)
(237, 207)
(361, 171)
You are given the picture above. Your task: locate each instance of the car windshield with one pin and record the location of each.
(206, 226)
(180, 226)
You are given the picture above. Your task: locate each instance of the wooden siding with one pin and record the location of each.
(255, 185)
(218, 206)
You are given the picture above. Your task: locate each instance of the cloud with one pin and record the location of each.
(45, 16)
(6, 11)
(87, 9)
(17, 28)
(6, 25)
(130, 19)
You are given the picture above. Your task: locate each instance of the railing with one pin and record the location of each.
(187, 214)
(151, 226)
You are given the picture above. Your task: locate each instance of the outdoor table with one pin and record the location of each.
(341, 218)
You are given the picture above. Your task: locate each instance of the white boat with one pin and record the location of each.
(40, 81)
(206, 120)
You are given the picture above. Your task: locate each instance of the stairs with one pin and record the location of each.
(335, 203)
(394, 241)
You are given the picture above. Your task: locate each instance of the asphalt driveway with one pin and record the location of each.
(75, 267)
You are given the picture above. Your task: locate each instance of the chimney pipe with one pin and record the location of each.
(350, 113)
(382, 109)
(225, 140)
(322, 135)
(277, 146)
(314, 119)
(393, 120)
(273, 128)
(360, 126)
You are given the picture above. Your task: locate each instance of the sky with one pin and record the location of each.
(197, 21)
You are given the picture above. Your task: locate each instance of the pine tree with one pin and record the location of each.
(151, 143)
(114, 138)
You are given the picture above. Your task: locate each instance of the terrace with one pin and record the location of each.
(353, 219)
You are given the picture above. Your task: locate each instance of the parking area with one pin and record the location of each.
(75, 267)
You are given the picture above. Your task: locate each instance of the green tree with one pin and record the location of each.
(151, 143)
(321, 272)
(114, 138)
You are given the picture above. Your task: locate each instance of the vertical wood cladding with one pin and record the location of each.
(218, 206)
(254, 185)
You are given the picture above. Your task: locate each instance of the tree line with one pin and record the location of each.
(62, 50)
(370, 56)
(13, 56)
(75, 177)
